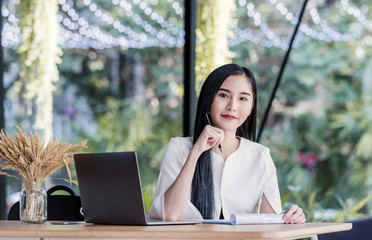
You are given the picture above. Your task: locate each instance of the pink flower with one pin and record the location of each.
(307, 159)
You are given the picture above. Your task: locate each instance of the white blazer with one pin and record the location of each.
(239, 182)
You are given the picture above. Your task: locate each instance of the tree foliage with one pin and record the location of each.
(214, 20)
(39, 56)
(318, 128)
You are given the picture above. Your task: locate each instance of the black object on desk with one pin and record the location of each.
(60, 207)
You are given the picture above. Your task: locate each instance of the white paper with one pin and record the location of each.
(239, 219)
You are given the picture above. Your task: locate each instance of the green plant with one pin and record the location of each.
(351, 210)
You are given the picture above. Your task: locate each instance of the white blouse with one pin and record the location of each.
(239, 182)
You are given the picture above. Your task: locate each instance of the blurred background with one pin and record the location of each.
(112, 72)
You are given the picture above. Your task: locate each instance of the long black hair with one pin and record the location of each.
(202, 190)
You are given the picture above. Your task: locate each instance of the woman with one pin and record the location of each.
(220, 170)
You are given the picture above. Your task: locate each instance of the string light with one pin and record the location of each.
(270, 39)
(147, 10)
(10, 35)
(246, 34)
(11, 32)
(358, 14)
(108, 19)
(177, 8)
(134, 40)
(78, 32)
(83, 28)
(327, 34)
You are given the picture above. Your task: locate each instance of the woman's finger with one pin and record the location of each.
(294, 215)
(209, 138)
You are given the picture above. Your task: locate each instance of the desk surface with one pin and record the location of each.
(198, 231)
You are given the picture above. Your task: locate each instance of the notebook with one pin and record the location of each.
(110, 189)
(250, 218)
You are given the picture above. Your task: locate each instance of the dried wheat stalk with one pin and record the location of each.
(33, 160)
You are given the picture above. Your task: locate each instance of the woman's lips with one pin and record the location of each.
(229, 117)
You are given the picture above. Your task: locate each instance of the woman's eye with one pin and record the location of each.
(243, 99)
(223, 95)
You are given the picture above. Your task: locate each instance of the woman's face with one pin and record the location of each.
(232, 104)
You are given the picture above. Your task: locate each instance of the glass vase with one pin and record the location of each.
(33, 203)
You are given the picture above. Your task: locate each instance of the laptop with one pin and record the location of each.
(110, 189)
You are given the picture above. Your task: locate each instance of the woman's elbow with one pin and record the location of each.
(170, 211)
(170, 216)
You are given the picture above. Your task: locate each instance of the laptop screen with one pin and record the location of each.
(110, 188)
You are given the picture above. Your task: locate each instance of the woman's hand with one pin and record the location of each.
(294, 215)
(210, 137)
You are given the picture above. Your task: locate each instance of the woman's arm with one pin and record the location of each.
(292, 215)
(177, 195)
(265, 205)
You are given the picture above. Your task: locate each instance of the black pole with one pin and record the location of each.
(189, 106)
(284, 63)
(3, 207)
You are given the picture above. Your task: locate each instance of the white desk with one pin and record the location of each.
(15, 229)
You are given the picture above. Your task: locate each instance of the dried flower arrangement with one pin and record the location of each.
(33, 160)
